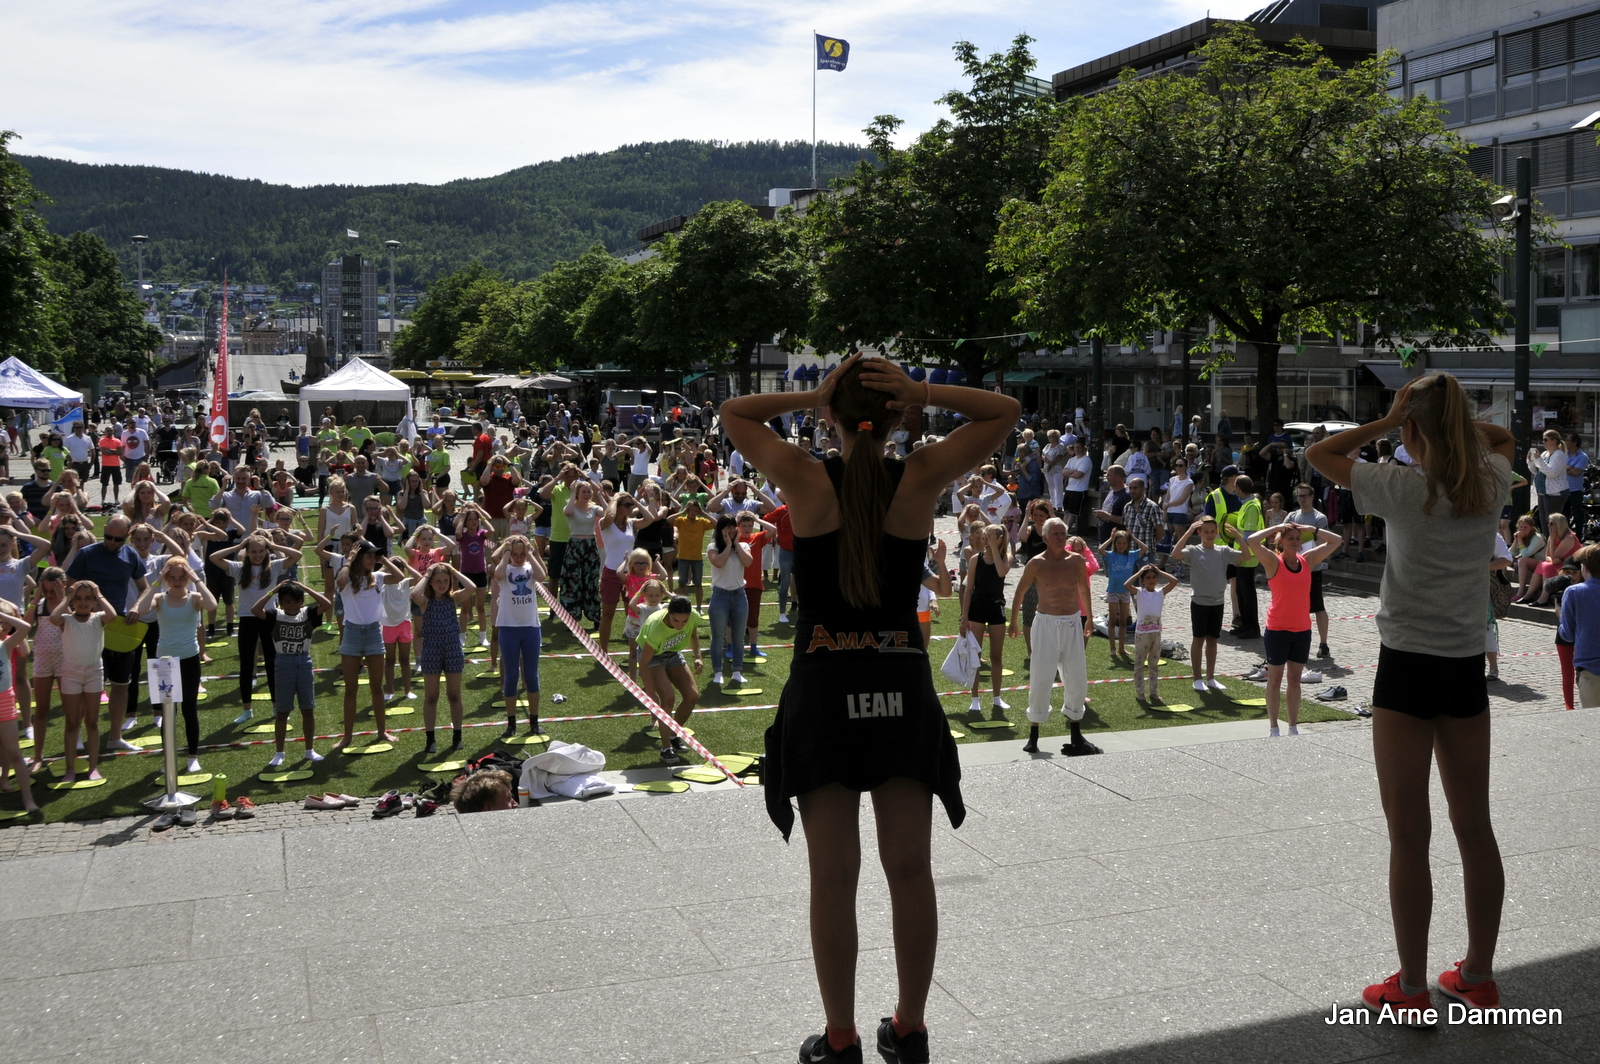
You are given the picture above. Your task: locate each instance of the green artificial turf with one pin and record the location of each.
(588, 689)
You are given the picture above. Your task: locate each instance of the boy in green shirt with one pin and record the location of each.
(661, 665)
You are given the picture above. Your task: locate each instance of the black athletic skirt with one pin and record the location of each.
(1428, 686)
(859, 708)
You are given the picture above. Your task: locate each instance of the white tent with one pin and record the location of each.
(357, 379)
(22, 385)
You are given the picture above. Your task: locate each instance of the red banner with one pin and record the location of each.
(219, 381)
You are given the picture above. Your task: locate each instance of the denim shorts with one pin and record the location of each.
(362, 640)
(294, 679)
(690, 572)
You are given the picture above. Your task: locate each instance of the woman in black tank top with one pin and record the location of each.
(859, 711)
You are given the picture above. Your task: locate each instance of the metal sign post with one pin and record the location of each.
(164, 678)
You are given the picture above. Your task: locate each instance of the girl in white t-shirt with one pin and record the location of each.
(360, 587)
(82, 616)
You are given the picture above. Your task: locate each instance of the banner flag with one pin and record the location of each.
(352, 234)
(219, 381)
(832, 53)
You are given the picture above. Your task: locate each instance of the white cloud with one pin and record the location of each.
(363, 91)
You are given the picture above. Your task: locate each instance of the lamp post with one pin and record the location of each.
(1522, 429)
(1097, 365)
(393, 246)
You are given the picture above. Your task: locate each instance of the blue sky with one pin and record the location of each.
(371, 91)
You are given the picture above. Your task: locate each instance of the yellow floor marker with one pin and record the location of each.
(741, 692)
(989, 725)
(77, 785)
(700, 775)
(527, 740)
(1172, 707)
(662, 786)
(146, 741)
(957, 734)
(285, 777)
(370, 748)
(1248, 701)
(443, 766)
(193, 780)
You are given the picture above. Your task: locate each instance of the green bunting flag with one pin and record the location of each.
(1537, 349)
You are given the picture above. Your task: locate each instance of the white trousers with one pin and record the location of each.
(1057, 651)
(1056, 482)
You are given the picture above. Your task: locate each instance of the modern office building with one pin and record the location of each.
(1515, 79)
(350, 306)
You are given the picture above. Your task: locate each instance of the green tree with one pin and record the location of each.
(606, 327)
(25, 287)
(1272, 194)
(97, 322)
(454, 304)
(549, 334)
(732, 281)
(907, 252)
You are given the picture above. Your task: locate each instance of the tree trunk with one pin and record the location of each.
(747, 353)
(1266, 386)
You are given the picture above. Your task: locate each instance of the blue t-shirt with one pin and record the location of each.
(111, 570)
(1118, 568)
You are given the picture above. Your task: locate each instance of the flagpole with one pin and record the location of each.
(813, 108)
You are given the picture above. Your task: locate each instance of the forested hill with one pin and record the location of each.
(518, 222)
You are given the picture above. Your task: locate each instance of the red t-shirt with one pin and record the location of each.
(780, 518)
(752, 572)
(110, 452)
(482, 449)
(497, 491)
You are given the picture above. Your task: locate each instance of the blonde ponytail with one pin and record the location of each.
(1455, 461)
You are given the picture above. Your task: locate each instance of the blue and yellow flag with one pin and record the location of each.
(832, 53)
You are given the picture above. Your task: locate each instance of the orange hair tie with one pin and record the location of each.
(865, 426)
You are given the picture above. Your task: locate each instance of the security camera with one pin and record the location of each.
(1504, 209)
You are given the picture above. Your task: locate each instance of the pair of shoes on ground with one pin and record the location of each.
(183, 818)
(912, 1049)
(331, 800)
(1334, 693)
(242, 808)
(1484, 995)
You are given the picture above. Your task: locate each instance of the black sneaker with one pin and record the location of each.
(432, 747)
(912, 1049)
(671, 757)
(1323, 651)
(816, 1050)
(1081, 748)
(680, 746)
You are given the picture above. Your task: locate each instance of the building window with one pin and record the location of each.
(1550, 273)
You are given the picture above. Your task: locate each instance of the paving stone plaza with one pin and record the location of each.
(1198, 893)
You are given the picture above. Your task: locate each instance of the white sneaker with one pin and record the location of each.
(124, 745)
(783, 618)
(194, 766)
(1200, 685)
(977, 707)
(1311, 676)
(1294, 729)
(716, 678)
(130, 724)
(483, 639)
(277, 760)
(312, 755)
(1000, 703)
(411, 694)
(463, 640)
(158, 722)
(1215, 685)
(738, 679)
(1273, 733)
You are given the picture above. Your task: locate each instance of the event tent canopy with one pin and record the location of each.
(356, 379)
(23, 386)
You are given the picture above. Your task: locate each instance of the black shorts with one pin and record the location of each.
(118, 665)
(82, 469)
(442, 481)
(986, 611)
(1205, 621)
(1072, 503)
(1317, 605)
(111, 474)
(1282, 647)
(558, 558)
(1233, 571)
(1428, 686)
(481, 579)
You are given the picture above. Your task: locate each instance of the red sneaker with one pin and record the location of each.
(1484, 995)
(1407, 1009)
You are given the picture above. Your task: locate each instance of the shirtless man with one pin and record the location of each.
(1058, 644)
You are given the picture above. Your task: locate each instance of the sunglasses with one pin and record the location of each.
(116, 539)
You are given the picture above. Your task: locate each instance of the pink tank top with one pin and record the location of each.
(1290, 608)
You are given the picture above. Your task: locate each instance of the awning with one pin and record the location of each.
(1021, 376)
(1390, 372)
(690, 378)
(1394, 376)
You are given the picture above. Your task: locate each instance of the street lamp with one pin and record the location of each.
(138, 245)
(393, 246)
(1518, 209)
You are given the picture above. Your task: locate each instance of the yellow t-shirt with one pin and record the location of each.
(692, 532)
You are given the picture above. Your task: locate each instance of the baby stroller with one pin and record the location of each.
(166, 466)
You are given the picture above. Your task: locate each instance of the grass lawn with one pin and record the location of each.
(588, 690)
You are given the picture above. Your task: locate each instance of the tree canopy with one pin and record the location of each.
(1271, 194)
(906, 253)
(65, 306)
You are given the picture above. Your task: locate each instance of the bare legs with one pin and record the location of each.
(1404, 747)
(1275, 688)
(904, 813)
(351, 664)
